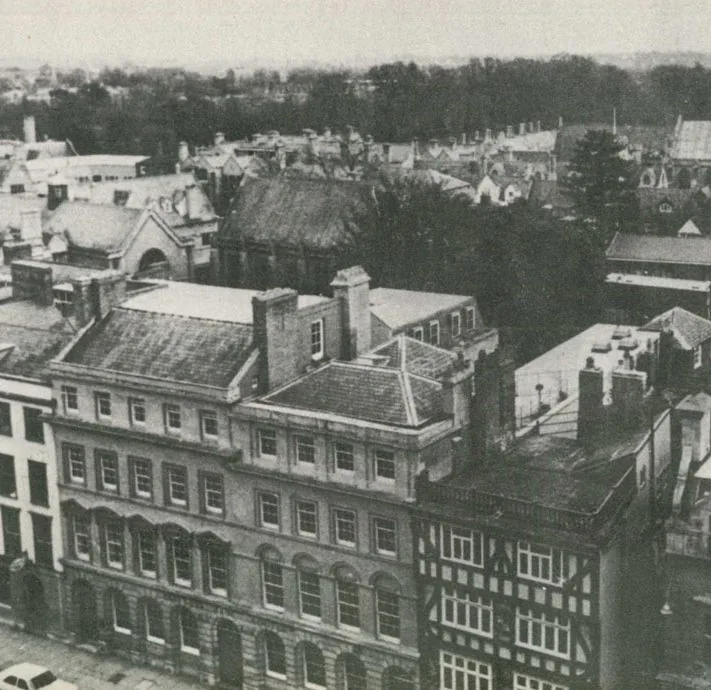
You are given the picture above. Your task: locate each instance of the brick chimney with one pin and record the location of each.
(509, 131)
(32, 280)
(16, 251)
(30, 129)
(95, 297)
(521, 128)
(183, 151)
(628, 387)
(590, 400)
(193, 202)
(457, 391)
(277, 336)
(351, 287)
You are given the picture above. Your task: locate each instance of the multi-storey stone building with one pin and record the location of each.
(235, 498)
(534, 566)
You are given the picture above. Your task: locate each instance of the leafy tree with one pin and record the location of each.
(602, 184)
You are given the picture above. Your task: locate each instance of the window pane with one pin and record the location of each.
(388, 604)
(267, 442)
(39, 494)
(8, 486)
(314, 667)
(275, 654)
(273, 584)
(42, 530)
(348, 604)
(5, 419)
(34, 427)
(310, 593)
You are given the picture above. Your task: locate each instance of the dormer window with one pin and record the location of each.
(317, 345)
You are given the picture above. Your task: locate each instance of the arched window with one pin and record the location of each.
(347, 597)
(152, 621)
(314, 666)
(309, 584)
(120, 613)
(189, 632)
(387, 606)
(395, 678)
(179, 553)
(274, 655)
(353, 675)
(272, 579)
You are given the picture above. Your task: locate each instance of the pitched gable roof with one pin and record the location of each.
(693, 140)
(164, 346)
(689, 330)
(297, 212)
(695, 251)
(414, 356)
(398, 308)
(370, 393)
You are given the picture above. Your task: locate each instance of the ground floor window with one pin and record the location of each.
(189, 635)
(461, 673)
(525, 682)
(275, 655)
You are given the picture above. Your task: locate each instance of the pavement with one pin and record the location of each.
(87, 670)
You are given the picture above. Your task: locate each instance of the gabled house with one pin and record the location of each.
(690, 153)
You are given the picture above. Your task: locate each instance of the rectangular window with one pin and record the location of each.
(173, 422)
(137, 411)
(267, 443)
(81, 529)
(434, 332)
(275, 656)
(347, 604)
(147, 556)
(273, 582)
(213, 493)
(698, 357)
(217, 570)
(182, 561)
(103, 405)
(5, 419)
(142, 477)
(107, 467)
(208, 424)
(310, 594)
(462, 610)
(306, 519)
(388, 614)
(463, 673)
(344, 522)
(113, 541)
(74, 464)
(469, 319)
(120, 614)
(345, 461)
(39, 491)
(461, 545)
(540, 563)
(269, 511)
(456, 322)
(11, 531)
(154, 623)
(385, 465)
(8, 483)
(176, 486)
(34, 426)
(522, 682)
(418, 333)
(189, 633)
(385, 536)
(317, 339)
(70, 399)
(305, 450)
(543, 633)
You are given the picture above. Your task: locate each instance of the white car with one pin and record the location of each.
(32, 677)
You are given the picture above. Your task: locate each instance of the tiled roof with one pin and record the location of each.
(415, 357)
(30, 336)
(173, 348)
(689, 329)
(297, 212)
(693, 140)
(94, 226)
(695, 251)
(371, 393)
(398, 308)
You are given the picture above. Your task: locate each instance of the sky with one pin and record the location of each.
(293, 32)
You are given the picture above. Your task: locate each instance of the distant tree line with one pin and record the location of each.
(393, 102)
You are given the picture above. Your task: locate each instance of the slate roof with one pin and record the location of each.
(141, 189)
(297, 212)
(415, 357)
(94, 226)
(398, 308)
(689, 329)
(693, 140)
(695, 251)
(164, 346)
(370, 393)
(30, 336)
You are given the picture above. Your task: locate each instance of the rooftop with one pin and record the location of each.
(693, 140)
(165, 346)
(414, 356)
(399, 308)
(190, 300)
(370, 393)
(658, 282)
(689, 330)
(694, 251)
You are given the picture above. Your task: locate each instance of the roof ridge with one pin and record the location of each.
(407, 398)
(120, 307)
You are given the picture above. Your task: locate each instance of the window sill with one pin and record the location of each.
(190, 650)
(122, 631)
(155, 640)
(115, 566)
(273, 607)
(277, 676)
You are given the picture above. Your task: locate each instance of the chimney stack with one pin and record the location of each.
(590, 395)
(183, 151)
(509, 131)
(487, 135)
(538, 126)
(530, 127)
(560, 122)
(351, 287)
(31, 226)
(193, 202)
(521, 128)
(32, 280)
(277, 336)
(29, 129)
(464, 139)
(95, 297)
(628, 387)
(219, 138)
